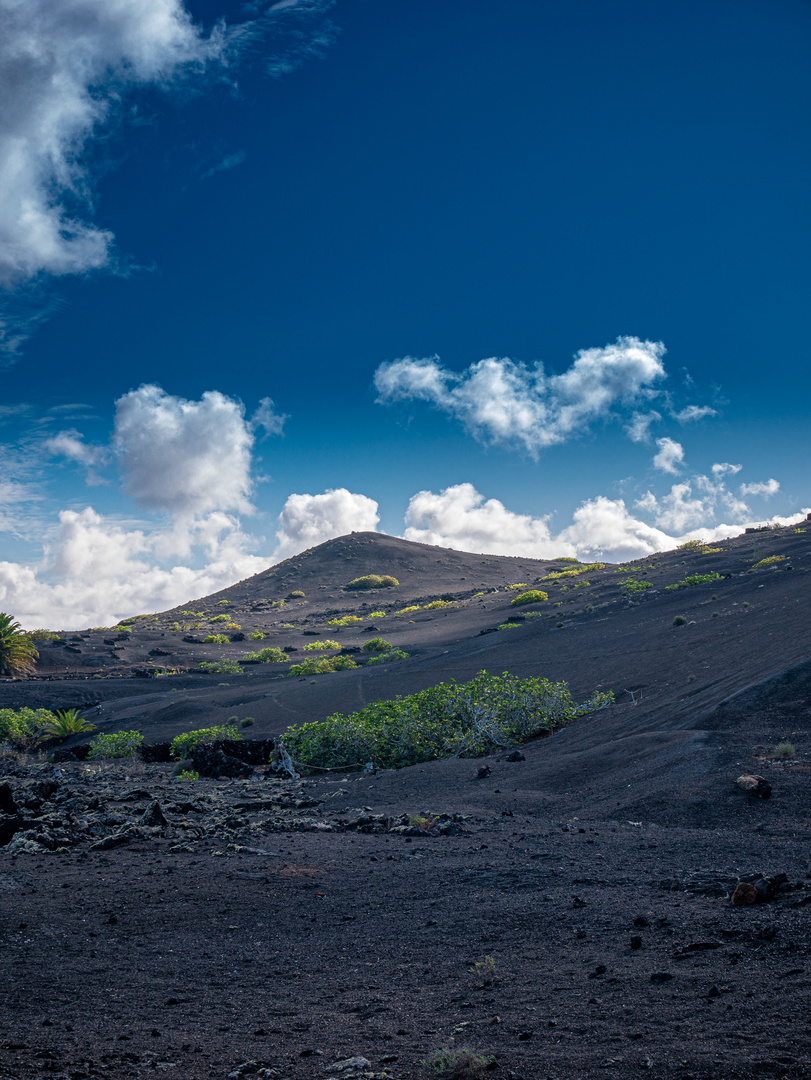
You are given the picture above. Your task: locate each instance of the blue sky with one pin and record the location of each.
(253, 257)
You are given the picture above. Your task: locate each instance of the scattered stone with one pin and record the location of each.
(755, 785)
(483, 772)
(153, 816)
(516, 755)
(661, 977)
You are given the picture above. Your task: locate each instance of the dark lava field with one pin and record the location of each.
(562, 912)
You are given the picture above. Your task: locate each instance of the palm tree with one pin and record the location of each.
(17, 653)
(65, 723)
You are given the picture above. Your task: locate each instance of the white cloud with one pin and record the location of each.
(64, 67)
(268, 419)
(693, 413)
(185, 457)
(670, 455)
(230, 161)
(307, 520)
(96, 571)
(70, 445)
(460, 517)
(638, 429)
(765, 489)
(724, 468)
(505, 402)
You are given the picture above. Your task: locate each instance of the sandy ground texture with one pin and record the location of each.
(566, 915)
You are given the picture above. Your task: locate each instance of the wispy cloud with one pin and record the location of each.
(231, 161)
(504, 402)
(692, 413)
(765, 489)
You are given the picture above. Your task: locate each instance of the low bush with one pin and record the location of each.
(215, 639)
(247, 721)
(323, 666)
(256, 635)
(784, 751)
(296, 594)
(116, 744)
(222, 603)
(221, 667)
(377, 614)
(183, 746)
(44, 635)
(322, 646)
(694, 579)
(376, 644)
(270, 655)
(772, 560)
(459, 1063)
(220, 618)
(449, 720)
(680, 620)
(373, 581)
(509, 625)
(408, 610)
(554, 574)
(22, 726)
(531, 596)
(435, 605)
(388, 657)
(519, 585)
(190, 775)
(344, 620)
(232, 626)
(635, 584)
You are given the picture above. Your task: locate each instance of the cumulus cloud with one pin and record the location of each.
(96, 570)
(670, 455)
(63, 70)
(504, 402)
(638, 428)
(765, 489)
(460, 517)
(307, 520)
(266, 417)
(185, 457)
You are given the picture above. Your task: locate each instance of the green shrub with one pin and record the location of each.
(680, 621)
(322, 646)
(373, 581)
(635, 584)
(459, 1063)
(435, 605)
(45, 635)
(388, 657)
(694, 579)
(323, 666)
(449, 720)
(22, 726)
(376, 644)
(770, 561)
(215, 639)
(183, 746)
(344, 620)
(256, 635)
(532, 596)
(554, 574)
(220, 618)
(222, 602)
(116, 744)
(247, 721)
(784, 750)
(408, 610)
(221, 667)
(189, 775)
(509, 625)
(269, 655)
(296, 594)
(377, 614)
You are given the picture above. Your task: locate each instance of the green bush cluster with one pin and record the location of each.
(373, 581)
(115, 744)
(221, 667)
(256, 635)
(344, 620)
(183, 746)
(296, 594)
(388, 656)
(376, 644)
(377, 614)
(449, 720)
(44, 635)
(215, 639)
(635, 584)
(435, 605)
(220, 618)
(770, 561)
(269, 655)
(408, 610)
(21, 726)
(323, 666)
(322, 646)
(574, 572)
(694, 579)
(531, 596)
